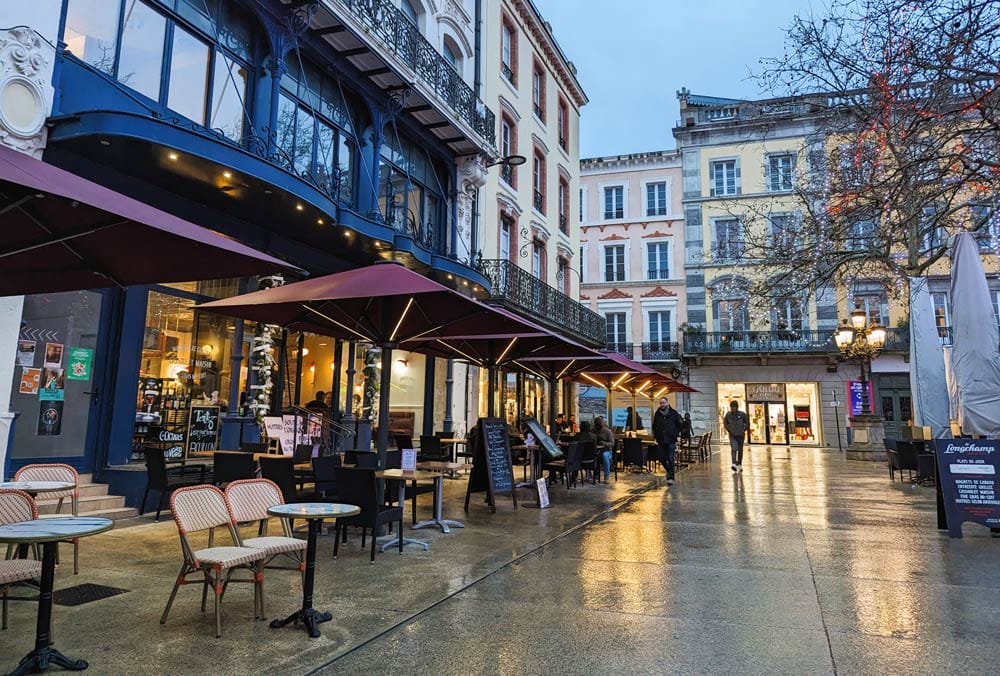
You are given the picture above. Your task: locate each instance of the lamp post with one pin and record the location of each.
(857, 338)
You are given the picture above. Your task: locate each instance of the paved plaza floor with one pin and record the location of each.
(802, 564)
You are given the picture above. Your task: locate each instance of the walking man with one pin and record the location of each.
(666, 428)
(737, 423)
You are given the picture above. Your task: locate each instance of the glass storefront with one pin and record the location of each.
(780, 413)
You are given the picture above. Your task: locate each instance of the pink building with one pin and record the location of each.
(632, 252)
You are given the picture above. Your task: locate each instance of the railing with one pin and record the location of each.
(519, 290)
(662, 351)
(562, 141)
(539, 112)
(507, 73)
(562, 224)
(507, 174)
(626, 349)
(383, 20)
(782, 341)
(539, 201)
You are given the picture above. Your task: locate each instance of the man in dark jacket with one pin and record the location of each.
(666, 429)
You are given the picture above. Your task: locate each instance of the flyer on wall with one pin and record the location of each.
(53, 385)
(26, 353)
(79, 362)
(53, 355)
(50, 415)
(30, 379)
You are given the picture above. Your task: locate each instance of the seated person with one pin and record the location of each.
(318, 403)
(605, 445)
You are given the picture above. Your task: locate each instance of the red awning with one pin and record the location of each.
(61, 232)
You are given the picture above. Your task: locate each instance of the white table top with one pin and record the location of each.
(313, 510)
(439, 466)
(58, 528)
(408, 475)
(37, 486)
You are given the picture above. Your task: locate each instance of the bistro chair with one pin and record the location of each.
(431, 450)
(403, 441)
(231, 466)
(572, 467)
(359, 487)
(165, 481)
(589, 460)
(198, 508)
(58, 472)
(249, 500)
(253, 447)
(394, 460)
(325, 475)
(16, 506)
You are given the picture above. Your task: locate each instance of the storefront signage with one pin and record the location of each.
(79, 364)
(854, 394)
(969, 482)
(204, 364)
(203, 428)
(765, 391)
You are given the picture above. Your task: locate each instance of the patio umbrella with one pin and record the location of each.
(927, 372)
(385, 304)
(976, 351)
(61, 232)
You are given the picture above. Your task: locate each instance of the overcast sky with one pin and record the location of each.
(633, 55)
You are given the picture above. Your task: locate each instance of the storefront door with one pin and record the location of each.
(894, 403)
(768, 422)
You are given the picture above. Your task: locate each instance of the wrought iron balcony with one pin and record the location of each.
(539, 112)
(540, 201)
(385, 21)
(522, 292)
(562, 223)
(562, 141)
(507, 174)
(626, 349)
(662, 351)
(782, 341)
(507, 73)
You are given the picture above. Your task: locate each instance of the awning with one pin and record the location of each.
(61, 232)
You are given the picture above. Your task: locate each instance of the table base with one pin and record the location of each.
(440, 523)
(40, 659)
(394, 542)
(310, 618)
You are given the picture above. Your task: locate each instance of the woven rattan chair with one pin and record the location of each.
(16, 506)
(248, 502)
(198, 508)
(58, 472)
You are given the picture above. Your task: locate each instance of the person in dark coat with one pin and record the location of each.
(633, 421)
(666, 428)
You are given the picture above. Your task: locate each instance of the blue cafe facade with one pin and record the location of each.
(328, 134)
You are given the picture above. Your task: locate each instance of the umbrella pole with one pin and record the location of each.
(338, 362)
(491, 409)
(553, 384)
(385, 382)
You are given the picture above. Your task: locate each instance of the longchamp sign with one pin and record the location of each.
(969, 482)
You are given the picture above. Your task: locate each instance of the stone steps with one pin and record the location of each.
(94, 501)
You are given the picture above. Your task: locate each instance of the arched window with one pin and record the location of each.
(409, 11)
(451, 56)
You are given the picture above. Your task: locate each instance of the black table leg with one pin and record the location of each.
(308, 616)
(44, 655)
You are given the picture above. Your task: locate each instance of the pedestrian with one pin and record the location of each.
(737, 423)
(666, 428)
(605, 445)
(633, 421)
(686, 429)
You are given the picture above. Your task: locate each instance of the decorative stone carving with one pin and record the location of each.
(26, 91)
(659, 292)
(613, 237)
(471, 176)
(657, 233)
(613, 294)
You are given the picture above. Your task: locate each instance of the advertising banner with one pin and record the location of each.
(967, 477)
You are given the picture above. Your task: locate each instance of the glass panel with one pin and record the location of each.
(229, 95)
(729, 392)
(758, 423)
(188, 76)
(141, 60)
(345, 162)
(55, 408)
(41, 15)
(888, 409)
(91, 32)
(285, 126)
(803, 402)
(414, 198)
(905, 408)
(778, 422)
(326, 140)
(303, 149)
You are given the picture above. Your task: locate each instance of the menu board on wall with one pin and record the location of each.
(968, 481)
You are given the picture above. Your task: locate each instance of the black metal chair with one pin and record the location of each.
(633, 454)
(359, 487)
(233, 467)
(253, 447)
(394, 460)
(403, 441)
(282, 472)
(588, 459)
(160, 478)
(573, 466)
(325, 475)
(431, 450)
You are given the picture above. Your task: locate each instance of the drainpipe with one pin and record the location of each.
(478, 84)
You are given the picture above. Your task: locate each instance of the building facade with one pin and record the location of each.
(331, 134)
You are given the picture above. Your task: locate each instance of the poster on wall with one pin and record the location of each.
(53, 385)
(50, 415)
(79, 363)
(26, 353)
(854, 392)
(30, 379)
(53, 355)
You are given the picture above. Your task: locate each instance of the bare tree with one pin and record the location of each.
(904, 96)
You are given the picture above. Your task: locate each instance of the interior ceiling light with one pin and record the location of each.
(173, 156)
(299, 207)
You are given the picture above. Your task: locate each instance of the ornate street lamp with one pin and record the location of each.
(859, 339)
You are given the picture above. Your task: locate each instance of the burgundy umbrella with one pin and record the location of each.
(385, 304)
(61, 232)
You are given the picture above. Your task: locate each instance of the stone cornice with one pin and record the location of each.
(553, 54)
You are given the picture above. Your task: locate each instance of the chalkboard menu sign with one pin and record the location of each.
(491, 468)
(550, 447)
(203, 428)
(970, 487)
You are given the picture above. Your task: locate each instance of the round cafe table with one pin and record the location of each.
(315, 513)
(48, 533)
(33, 488)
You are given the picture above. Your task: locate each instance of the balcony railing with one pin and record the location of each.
(539, 112)
(539, 201)
(755, 342)
(382, 19)
(519, 290)
(661, 351)
(507, 73)
(562, 223)
(507, 174)
(626, 349)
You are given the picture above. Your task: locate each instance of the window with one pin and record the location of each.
(451, 56)
(563, 123)
(583, 203)
(614, 202)
(409, 11)
(985, 226)
(656, 199)
(538, 92)
(410, 188)
(873, 303)
(505, 236)
(659, 327)
(614, 263)
(784, 233)
(206, 72)
(780, 173)
(563, 206)
(583, 264)
(658, 260)
(508, 52)
(857, 163)
(616, 334)
(732, 314)
(786, 315)
(729, 244)
(538, 259)
(563, 277)
(861, 234)
(934, 234)
(942, 315)
(508, 147)
(724, 176)
(538, 182)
